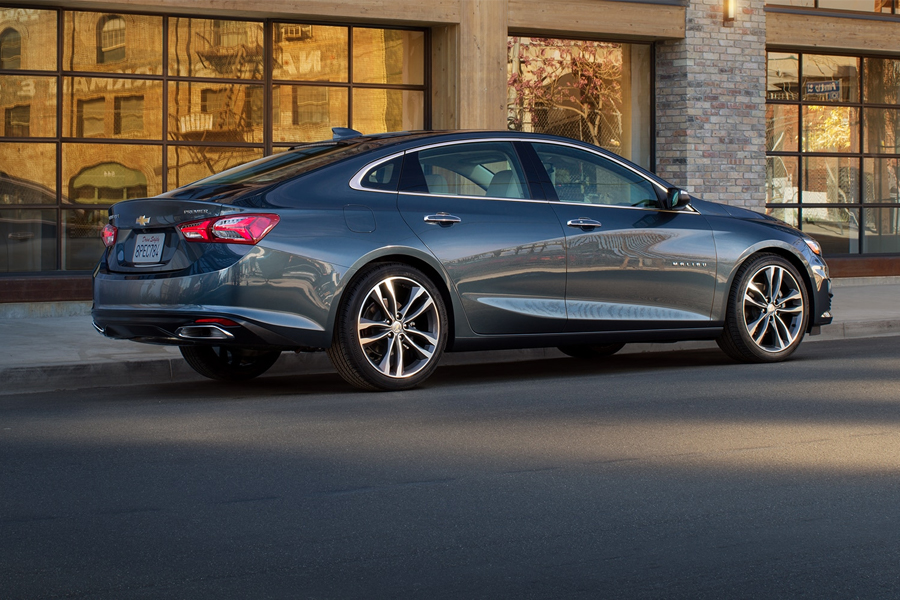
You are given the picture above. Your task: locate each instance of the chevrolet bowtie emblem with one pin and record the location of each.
(142, 220)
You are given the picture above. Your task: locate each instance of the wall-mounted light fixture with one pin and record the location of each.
(730, 10)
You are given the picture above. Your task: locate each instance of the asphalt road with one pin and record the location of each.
(672, 475)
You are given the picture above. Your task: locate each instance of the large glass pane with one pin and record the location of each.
(781, 179)
(881, 231)
(782, 127)
(310, 52)
(597, 92)
(108, 173)
(882, 81)
(27, 240)
(28, 175)
(81, 243)
(882, 6)
(216, 112)
(830, 129)
(388, 56)
(112, 108)
(215, 48)
(882, 130)
(837, 228)
(26, 37)
(830, 78)
(782, 76)
(112, 43)
(28, 106)
(377, 111)
(307, 113)
(190, 163)
(881, 179)
(832, 180)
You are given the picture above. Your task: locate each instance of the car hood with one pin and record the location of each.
(705, 207)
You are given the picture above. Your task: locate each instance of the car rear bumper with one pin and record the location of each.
(180, 326)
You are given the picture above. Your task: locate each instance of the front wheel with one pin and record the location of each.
(767, 313)
(391, 331)
(229, 364)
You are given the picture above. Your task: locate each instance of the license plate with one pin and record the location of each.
(148, 248)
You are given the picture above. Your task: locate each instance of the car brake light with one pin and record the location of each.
(109, 235)
(242, 229)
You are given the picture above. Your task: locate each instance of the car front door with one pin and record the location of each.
(630, 264)
(501, 245)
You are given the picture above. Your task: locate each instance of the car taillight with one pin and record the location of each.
(109, 235)
(240, 229)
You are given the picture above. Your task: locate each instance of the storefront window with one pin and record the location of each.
(839, 176)
(142, 104)
(597, 92)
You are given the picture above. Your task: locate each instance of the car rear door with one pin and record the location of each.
(501, 244)
(631, 265)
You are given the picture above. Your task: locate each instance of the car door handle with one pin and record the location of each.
(584, 223)
(443, 219)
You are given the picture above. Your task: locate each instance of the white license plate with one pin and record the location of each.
(148, 248)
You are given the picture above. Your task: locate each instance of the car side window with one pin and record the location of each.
(385, 176)
(581, 176)
(486, 169)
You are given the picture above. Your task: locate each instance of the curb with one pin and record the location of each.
(18, 380)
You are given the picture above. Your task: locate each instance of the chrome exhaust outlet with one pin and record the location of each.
(98, 328)
(203, 332)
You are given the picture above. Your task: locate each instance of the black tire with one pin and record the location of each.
(591, 351)
(767, 313)
(390, 330)
(229, 364)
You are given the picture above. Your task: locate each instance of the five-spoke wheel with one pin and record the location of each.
(391, 330)
(767, 311)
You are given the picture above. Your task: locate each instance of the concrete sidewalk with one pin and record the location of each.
(54, 346)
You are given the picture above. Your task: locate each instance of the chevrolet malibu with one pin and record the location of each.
(388, 250)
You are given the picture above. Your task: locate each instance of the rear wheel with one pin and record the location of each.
(591, 351)
(391, 331)
(229, 364)
(767, 313)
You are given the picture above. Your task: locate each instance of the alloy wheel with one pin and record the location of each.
(773, 308)
(398, 327)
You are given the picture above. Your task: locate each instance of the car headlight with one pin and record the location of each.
(814, 246)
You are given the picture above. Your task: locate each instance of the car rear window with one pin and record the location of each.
(280, 167)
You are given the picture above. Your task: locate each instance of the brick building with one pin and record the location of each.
(790, 107)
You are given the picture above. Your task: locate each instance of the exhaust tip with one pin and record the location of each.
(203, 332)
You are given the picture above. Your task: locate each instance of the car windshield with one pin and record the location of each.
(281, 166)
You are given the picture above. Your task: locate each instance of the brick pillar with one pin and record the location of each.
(710, 105)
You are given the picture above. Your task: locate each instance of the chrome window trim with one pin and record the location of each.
(692, 211)
(356, 181)
(532, 200)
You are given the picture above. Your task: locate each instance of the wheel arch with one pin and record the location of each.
(408, 256)
(790, 254)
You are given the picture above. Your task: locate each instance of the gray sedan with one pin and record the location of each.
(388, 250)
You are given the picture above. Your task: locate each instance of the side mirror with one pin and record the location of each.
(677, 198)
